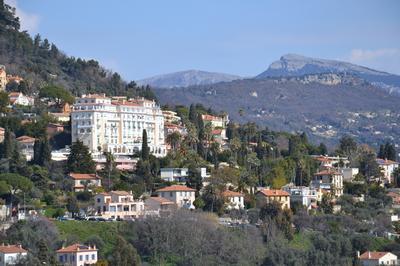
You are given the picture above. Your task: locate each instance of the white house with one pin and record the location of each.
(9, 254)
(174, 174)
(77, 255)
(349, 173)
(387, 168)
(26, 144)
(118, 205)
(306, 196)
(373, 258)
(157, 206)
(18, 98)
(182, 196)
(84, 181)
(234, 200)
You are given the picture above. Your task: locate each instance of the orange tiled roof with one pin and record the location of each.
(273, 192)
(14, 94)
(373, 255)
(76, 248)
(76, 176)
(385, 162)
(228, 193)
(11, 249)
(162, 201)
(327, 172)
(175, 188)
(25, 139)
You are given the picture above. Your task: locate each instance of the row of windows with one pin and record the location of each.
(64, 257)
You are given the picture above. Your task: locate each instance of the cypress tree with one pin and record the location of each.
(7, 145)
(145, 147)
(45, 152)
(80, 160)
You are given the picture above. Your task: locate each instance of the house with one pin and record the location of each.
(217, 122)
(349, 173)
(372, 258)
(182, 196)
(330, 161)
(3, 78)
(10, 254)
(61, 117)
(330, 181)
(387, 168)
(18, 98)
(84, 181)
(2, 131)
(77, 255)
(26, 144)
(234, 200)
(172, 128)
(118, 205)
(266, 195)
(171, 117)
(53, 128)
(305, 196)
(158, 206)
(174, 174)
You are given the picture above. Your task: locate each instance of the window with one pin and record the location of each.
(98, 199)
(61, 258)
(80, 257)
(87, 257)
(126, 208)
(93, 256)
(170, 194)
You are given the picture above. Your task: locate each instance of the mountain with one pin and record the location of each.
(297, 65)
(187, 78)
(325, 106)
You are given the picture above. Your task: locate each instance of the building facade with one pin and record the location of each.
(387, 168)
(158, 206)
(10, 254)
(374, 258)
(330, 181)
(305, 196)
(77, 255)
(82, 182)
(118, 205)
(264, 196)
(233, 200)
(116, 126)
(182, 196)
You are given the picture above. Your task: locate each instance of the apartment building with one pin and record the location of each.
(116, 124)
(118, 205)
(330, 181)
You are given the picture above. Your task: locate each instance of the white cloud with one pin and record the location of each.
(385, 59)
(29, 21)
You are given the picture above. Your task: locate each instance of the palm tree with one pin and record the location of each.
(174, 139)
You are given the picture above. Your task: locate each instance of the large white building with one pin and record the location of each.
(10, 254)
(116, 124)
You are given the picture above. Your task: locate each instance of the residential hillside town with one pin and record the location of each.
(95, 170)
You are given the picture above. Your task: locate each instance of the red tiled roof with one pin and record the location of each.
(210, 117)
(327, 172)
(162, 201)
(228, 193)
(373, 255)
(216, 132)
(175, 188)
(273, 192)
(323, 159)
(385, 162)
(11, 249)
(76, 248)
(76, 176)
(14, 94)
(25, 139)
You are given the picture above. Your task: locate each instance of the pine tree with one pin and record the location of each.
(193, 114)
(80, 160)
(7, 145)
(45, 152)
(145, 147)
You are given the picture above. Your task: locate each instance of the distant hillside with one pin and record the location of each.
(40, 62)
(325, 106)
(186, 78)
(297, 65)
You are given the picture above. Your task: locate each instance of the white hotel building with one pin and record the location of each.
(116, 124)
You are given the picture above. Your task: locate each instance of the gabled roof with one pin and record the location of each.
(162, 201)
(385, 162)
(175, 188)
(273, 192)
(76, 248)
(25, 139)
(228, 193)
(327, 172)
(76, 176)
(373, 255)
(11, 249)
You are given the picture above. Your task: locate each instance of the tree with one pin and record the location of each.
(80, 160)
(173, 140)
(387, 151)
(72, 205)
(57, 94)
(41, 152)
(194, 180)
(145, 148)
(7, 145)
(4, 101)
(124, 254)
(347, 146)
(16, 182)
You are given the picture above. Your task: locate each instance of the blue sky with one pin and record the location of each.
(144, 38)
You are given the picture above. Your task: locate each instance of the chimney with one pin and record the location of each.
(358, 254)
(369, 254)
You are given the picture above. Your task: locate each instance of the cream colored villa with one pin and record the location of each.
(118, 205)
(77, 255)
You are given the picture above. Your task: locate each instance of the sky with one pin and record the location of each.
(144, 38)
